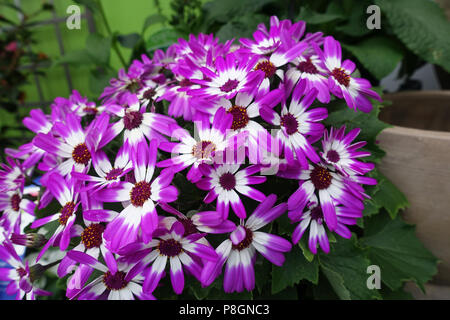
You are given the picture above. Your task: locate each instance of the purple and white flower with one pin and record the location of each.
(355, 91)
(138, 198)
(121, 283)
(20, 277)
(297, 124)
(225, 182)
(173, 247)
(313, 218)
(239, 251)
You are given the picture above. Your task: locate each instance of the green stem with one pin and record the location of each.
(113, 38)
(48, 266)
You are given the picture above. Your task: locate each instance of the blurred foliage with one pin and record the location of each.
(18, 63)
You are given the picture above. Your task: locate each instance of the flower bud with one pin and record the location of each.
(30, 240)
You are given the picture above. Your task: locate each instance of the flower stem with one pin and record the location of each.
(113, 39)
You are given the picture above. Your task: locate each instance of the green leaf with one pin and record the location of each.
(6, 118)
(323, 290)
(355, 24)
(333, 13)
(309, 256)
(223, 11)
(263, 270)
(389, 196)
(99, 48)
(422, 26)
(379, 54)
(294, 269)
(346, 269)
(394, 247)
(163, 39)
(76, 57)
(240, 26)
(153, 19)
(341, 114)
(99, 79)
(128, 40)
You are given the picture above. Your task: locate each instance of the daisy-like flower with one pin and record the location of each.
(245, 110)
(20, 277)
(81, 106)
(139, 198)
(339, 151)
(181, 103)
(271, 64)
(91, 242)
(118, 284)
(66, 192)
(74, 144)
(138, 124)
(108, 175)
(230, 75)
(297, 124)
(332, 187)
(125, 83)
(268, 41)
(173, 247)
(314, 219)
(225, 181)
(16, 211)
(355, 91)
(239, 251)
(149, 93)
(211, 144)
(12, 176)
(313, 70)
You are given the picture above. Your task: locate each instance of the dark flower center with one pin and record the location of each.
(114, 174)
(15, 202)
(90, 110)
(317, 214)
(66, 212)
(189, 226)
(320, 177)
(81, 154)
(227, 181)
(246, 242)
(203, 149)
(92, 235)
(170, 247)
(133, 86)
(240, 117)
(140, 193)
(307, 67)
(132, 120)
(333, 156)
(115, 281)
(149, 94)
(185, 83)
(266, 66)
(21, 272)
(229, 85)
(341, 76)
(289, 122)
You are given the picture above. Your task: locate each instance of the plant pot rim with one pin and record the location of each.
(419, 94)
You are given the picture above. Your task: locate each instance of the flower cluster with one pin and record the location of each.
(183, 148)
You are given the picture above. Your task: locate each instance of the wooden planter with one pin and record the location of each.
(417, 161)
